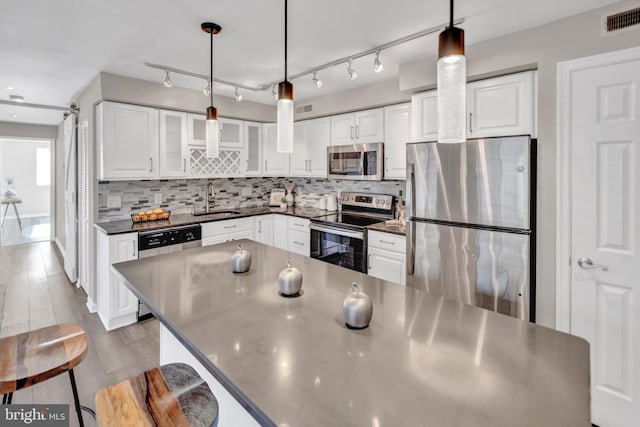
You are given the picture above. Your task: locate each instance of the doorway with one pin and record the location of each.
(598, 265)
(26, 189)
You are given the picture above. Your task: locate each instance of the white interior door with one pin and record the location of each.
(83, 204)
(604, 117)
(70, 202)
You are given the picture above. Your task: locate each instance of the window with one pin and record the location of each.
(43, 166)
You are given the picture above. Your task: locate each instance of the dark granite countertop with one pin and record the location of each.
(423, 360)
(387, 228)
(127, 226)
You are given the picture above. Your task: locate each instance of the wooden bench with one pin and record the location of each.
(172, 395)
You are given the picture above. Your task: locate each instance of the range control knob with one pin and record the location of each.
(377, 201)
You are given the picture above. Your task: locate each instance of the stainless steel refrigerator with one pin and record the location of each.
(471, 222)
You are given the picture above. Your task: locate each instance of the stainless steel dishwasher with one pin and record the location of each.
(166, 241)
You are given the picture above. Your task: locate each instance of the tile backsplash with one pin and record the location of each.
(181, 196)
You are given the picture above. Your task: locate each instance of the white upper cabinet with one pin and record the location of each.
(127, 141)
(275, 164)
(231, 133)
(424, 116)
(173, 144)
(397, 125)
(253, 149)
(501, 106)
(369, 126)
(311, 139)
(362, 127)
(197, 129)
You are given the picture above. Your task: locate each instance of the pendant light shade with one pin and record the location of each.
(452, 85)
(212, 127)
(284, 128)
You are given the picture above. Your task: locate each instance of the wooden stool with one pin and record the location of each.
(35, 356)
(172, 395)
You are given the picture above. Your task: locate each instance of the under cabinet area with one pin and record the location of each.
(224, 231)
(387, 256)
(117, 306)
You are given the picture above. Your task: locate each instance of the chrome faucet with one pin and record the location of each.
(210, 197)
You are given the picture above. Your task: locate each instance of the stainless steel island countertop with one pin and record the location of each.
(423, 361)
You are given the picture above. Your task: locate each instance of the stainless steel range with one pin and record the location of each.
(341, 238)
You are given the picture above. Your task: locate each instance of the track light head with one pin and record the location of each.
(378, 67)
(16, 98)
(274, 93)
(167, 80)
(238, 95)
(207, 89)
(316, 80)
(352, 73)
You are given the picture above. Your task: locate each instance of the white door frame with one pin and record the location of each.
(564, 150)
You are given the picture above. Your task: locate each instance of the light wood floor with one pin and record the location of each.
(35, 292)
(34, 229)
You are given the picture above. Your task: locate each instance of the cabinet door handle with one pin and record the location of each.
(388, 243)
(230, 226)
(369, 261)
(150, 164)
(265, 165)
(184, 165)
(298, 225)
(247, 165)
(133, 248)
(259, 226)
(357, 131)
(351, 132)
(470, 122)
(298, 243)
(309, 165)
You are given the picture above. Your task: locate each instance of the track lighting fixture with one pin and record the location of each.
(452, 81)
(212, 128)
(273, 92)
(167, 80)
(284, 127)
(207, 89)
(238, 95)
(352, 73)
(316, 80)
(16, 98)
(378, 67)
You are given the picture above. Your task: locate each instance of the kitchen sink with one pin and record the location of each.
(222, 213)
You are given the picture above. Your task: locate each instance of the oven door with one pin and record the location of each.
(337, 246)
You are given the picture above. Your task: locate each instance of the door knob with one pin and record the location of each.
(587, 264)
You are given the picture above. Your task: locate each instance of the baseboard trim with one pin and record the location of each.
(91, 306)
(60, 248)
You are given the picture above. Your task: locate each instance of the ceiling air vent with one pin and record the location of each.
(304, 109)
(627, 20)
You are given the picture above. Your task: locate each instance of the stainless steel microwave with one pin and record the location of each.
(356, 161)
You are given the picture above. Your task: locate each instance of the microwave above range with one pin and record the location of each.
(356, 161)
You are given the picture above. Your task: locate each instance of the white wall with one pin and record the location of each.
(18, 158)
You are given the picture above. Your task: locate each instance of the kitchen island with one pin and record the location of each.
(291, 361)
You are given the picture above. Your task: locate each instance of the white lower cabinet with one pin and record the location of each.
(387, 256)
(280, 235)
(117, 306)
(263, 229)
(299, 236)
(225, 231)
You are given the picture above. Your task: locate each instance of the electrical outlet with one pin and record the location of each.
(157, 198)
(114, 202)
(246, 191)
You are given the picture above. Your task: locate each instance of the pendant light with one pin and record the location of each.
(452, 84)
(212, 129)
(285, 103)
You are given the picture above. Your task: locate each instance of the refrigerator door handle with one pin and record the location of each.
(411, 190)
(411, 247)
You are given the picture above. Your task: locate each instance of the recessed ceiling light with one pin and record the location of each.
(9, 88)
(15, 116)
(16, 98)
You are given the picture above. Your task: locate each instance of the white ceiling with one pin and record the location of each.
(51, 50)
